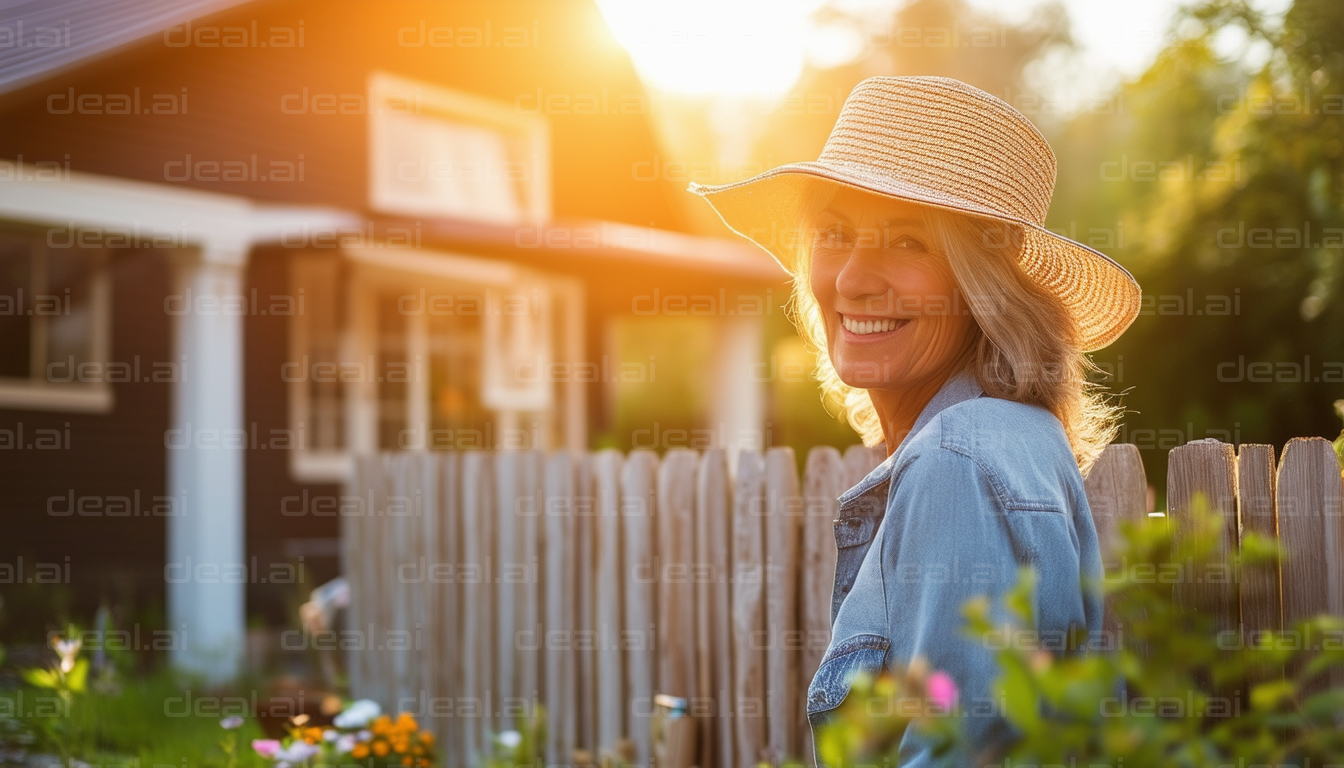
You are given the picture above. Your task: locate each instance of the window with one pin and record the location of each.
(54, 325)
(437, 152)
(418, 350)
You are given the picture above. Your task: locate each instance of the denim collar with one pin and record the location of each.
(958, 388)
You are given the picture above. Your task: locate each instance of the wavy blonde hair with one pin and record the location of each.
(1025, 347)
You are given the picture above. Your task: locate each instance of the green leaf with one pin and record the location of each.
(41, 678)
(1267, 696)
(78, 676)
(1020, 703)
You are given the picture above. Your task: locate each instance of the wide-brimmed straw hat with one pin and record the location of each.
(940, 142)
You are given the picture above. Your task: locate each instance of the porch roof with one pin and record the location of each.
(595, 243)
(60, 34)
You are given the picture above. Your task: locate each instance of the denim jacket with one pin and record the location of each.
(980, 487)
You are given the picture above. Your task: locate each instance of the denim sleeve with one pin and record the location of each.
(951, 536)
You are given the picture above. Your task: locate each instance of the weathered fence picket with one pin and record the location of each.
(484, 584)
(714, 630)
(748, 609)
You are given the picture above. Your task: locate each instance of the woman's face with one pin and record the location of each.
(894, 315)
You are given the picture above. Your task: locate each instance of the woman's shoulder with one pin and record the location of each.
(1021, 448)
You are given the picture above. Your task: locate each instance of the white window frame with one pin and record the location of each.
(391, 95)
(37, 392)
(369, 269)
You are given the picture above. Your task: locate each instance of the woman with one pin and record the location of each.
(954, 328)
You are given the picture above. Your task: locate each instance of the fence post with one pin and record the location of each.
(676, 573)
(1257, 512)
(561, 566)
(1206, 467)
(356, 541)
(478, 680)
(783, 516)
(1117, 493)
(714, 629)
(385, 541)
(446, 612)
(610, 676)
(1311, 533)
(859, 461)
(638, 505)
(823, 482)
(748, 608)
(586, 518)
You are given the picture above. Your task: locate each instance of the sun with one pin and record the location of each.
(724, 47)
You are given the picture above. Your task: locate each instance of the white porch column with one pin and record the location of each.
(206, 567)
(738, 410)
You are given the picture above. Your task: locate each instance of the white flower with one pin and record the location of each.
(345, 744)
(329, 735)
(358, 714)
(509, 739)
(297, 752)
(67, 650)
(229, 723)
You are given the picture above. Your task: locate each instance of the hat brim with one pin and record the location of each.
(1100, 295)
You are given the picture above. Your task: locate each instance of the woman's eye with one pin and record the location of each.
(833, 238)
(906, 242)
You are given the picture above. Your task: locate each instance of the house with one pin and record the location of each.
(242, 243)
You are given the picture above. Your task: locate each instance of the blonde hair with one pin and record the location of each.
(1025, 345)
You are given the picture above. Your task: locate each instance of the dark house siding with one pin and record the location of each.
(119, 454)
(233, 98)
(272, 534)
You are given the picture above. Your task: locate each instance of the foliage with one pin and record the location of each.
(523, 746)
(142, 719)
(360, 735)
(1172, 691)
(1339, 441)
(879, 710)
(1218, 179)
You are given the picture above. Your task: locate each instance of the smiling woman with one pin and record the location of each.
(951, 324)
(914, 294)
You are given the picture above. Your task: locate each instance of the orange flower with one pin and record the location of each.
(407, 723)
(406, 761)
(312, 735)
(360, 751)
(380, 748)
(382, 725)
(427, 738)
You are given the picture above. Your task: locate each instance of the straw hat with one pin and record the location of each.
(941, 142)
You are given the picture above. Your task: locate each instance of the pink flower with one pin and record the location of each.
(266, 747)
(942, 691)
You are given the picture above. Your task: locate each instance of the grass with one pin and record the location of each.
(160, 719)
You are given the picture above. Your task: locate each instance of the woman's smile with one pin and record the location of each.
(863, 329)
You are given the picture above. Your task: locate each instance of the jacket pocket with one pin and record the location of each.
(844, 660)
(855, 530)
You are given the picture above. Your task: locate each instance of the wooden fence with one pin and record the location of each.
(484, 584)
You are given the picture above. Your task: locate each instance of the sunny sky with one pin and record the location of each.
(758, 47)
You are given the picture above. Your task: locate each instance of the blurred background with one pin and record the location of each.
(242, 243)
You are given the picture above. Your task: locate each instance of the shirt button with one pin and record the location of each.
(845, 589)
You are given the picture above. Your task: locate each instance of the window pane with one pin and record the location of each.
(393, 372)
(316, 282)
(16, 300)
(458, 419)
(67, 305)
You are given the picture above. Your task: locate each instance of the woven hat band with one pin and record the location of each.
(944, 135)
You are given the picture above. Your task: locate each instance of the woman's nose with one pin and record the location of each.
(861, 276)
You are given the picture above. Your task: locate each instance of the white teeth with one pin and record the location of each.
(865, 327)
